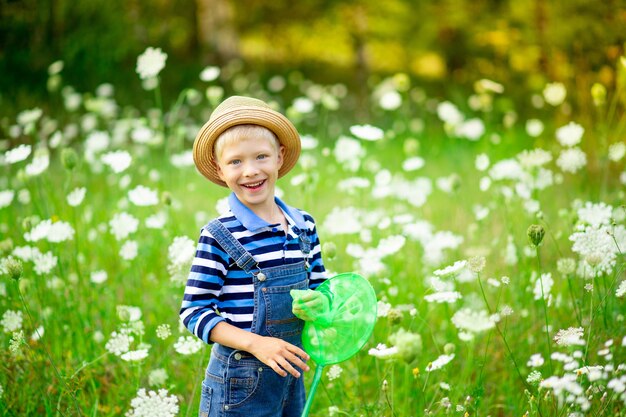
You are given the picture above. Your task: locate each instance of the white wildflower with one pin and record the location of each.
(44, 262)
(119, 343)
(334, 372)
(183, 159)
(156, 221)
(6, 198)
(122, 225)
(543, 286)
(443, 297)
(472, 129)
(163, 331)
(210, 73)
(150, 63)
(129, 249)
(559, 385)
(473, 321)
(383, 308)
(349, 152)
(594, 244)
(135, 355)
(482, 162)
(534, 127)
(570, 134)
(381, 351)
(413, 164)
(535, 361)
(617, 151)
(534, 158)
(554, 93)
(367, 132)
(143, 196)
(570, 337)
(390, 100)
(440, 362)
(98, 277)
(76, 196)
(12, 321)
(595, 215)
(157, 377)
(118, 161)
(17, 154)
(39, 164)
(449, 113)
(153, 404)
(187, 345)
(303, 105)
(571, 160)
(451, 270)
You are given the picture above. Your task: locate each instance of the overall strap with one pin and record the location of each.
(235, 250)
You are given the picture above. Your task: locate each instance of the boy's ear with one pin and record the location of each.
(219, 170)
(281, 154)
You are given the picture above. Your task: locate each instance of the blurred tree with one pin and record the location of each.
(216, 30)
(442, 43)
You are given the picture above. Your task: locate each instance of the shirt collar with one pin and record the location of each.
(253, 222)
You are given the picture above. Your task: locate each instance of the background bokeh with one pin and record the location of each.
(468, 158)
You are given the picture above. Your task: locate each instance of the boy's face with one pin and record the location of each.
(250, 169)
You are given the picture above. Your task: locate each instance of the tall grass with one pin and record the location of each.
(63, 368)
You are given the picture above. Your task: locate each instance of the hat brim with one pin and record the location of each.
(285, 131)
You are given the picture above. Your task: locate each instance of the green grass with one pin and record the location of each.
(482, 377)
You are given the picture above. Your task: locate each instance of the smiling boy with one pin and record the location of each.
(247, 261)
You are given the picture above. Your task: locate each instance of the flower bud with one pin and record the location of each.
(598, 93)
(411, 146)
(394, 316)
(330, 250)
(166, 198)
(6, 246)
(409, 345)
(449, 348)
(69, 158)
(14, 268)
(535, 234)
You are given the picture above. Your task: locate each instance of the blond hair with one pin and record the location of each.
(240, 132)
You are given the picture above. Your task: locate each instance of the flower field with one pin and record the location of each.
(493, 237)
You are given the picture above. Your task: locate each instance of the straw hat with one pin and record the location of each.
(238, 110)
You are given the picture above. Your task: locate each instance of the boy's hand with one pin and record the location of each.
(309, 305)
(279, 355)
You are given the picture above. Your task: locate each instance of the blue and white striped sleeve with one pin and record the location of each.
(198, 311)
(317, 272)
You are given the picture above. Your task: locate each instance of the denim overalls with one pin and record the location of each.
(236, 383)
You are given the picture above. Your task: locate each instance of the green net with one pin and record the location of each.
(340, 316)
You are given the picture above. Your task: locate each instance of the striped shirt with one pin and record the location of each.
(219, 290)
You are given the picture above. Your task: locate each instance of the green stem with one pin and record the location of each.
(574, 301)
(56, 370)
(591, 315)
(545, 310)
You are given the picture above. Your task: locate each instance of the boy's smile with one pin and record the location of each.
(250, 169)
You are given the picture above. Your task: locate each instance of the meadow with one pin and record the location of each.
(493, 238)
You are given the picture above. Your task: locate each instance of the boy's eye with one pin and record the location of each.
(235, 162)
(262, 156)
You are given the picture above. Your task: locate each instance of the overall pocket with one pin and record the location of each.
(280, 320)
(205, 400)
(241, 384)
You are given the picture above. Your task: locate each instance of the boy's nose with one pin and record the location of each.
(250, 170)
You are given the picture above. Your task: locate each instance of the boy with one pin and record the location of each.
(247, 261)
